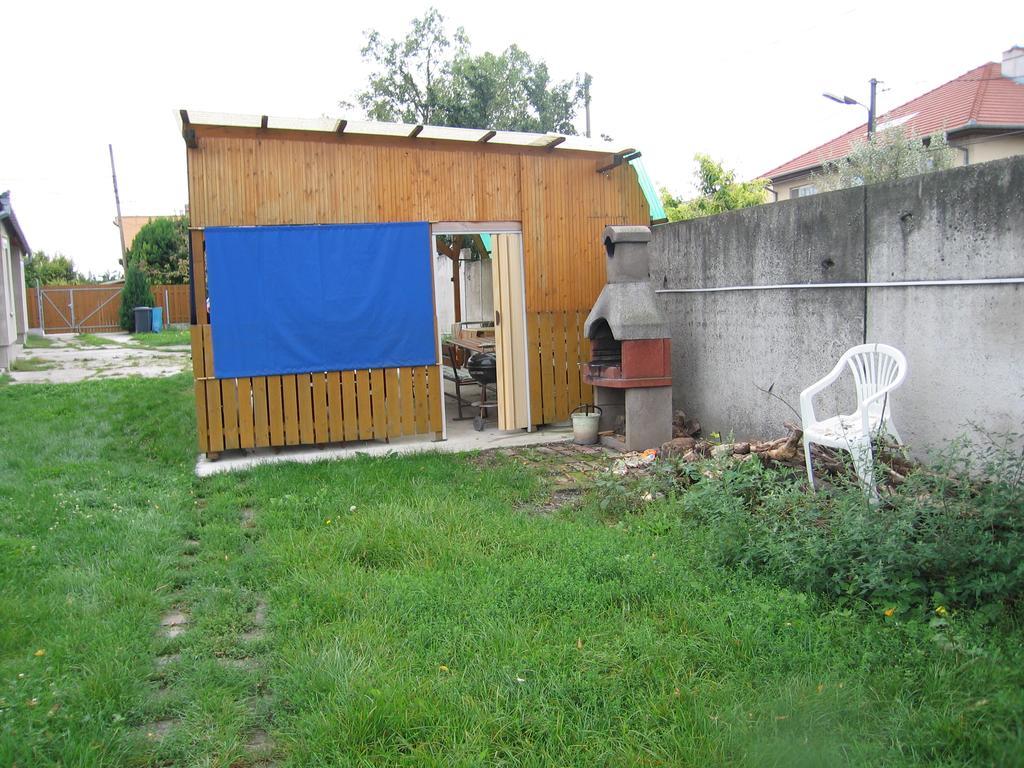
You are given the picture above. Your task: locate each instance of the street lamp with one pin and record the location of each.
(870, 109)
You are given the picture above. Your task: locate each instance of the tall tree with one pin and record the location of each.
(49, 270)
(135, 293)
(430, 77)
(719, 192)
(160, 250)
(889, 155)
(512, 92)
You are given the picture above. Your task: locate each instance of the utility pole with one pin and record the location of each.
(117, 202)
(871, 109)
(586, 99)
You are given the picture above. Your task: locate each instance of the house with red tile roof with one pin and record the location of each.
(981, 112)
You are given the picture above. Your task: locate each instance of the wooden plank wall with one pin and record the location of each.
(310, 408)
(247, 177)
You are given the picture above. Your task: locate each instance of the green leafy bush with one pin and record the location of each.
(951, 535)
(136, 293)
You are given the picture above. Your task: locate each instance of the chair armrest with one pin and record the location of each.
(807, 396)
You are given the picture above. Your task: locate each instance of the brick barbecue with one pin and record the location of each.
(631, 365)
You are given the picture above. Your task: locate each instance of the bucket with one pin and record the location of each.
(584, 425)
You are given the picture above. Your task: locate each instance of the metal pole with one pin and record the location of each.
(586, 99)
(871, 109)
(71, 303)
(39, 305)
(117, 202)
(167, 309)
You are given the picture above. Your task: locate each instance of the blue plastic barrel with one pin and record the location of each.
(158, 319)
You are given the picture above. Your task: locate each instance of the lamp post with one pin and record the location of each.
(870, 109)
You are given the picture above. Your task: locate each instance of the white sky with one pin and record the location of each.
(741, 82)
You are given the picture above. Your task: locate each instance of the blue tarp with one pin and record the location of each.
(298, 299)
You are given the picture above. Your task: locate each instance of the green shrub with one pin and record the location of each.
(136, 293)
(952, 534)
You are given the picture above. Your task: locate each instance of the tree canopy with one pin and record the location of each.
(50, 270)
(160, 250)
(719, 192)
(430, 77)
(889, 155)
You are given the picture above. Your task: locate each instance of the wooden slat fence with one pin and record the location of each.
(96, 308)
(557, 346)
(311, 408)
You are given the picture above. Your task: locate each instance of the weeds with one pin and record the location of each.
(951, 533)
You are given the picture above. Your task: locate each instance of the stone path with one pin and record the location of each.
(69, 360)
(174, 627)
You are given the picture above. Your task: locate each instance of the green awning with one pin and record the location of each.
(653, 200)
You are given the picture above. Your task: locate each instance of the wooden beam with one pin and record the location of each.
(188, 133)
(415, 131)
(554, 142)
(615, 163)
(487, 137)
(618, 160)
(340, 129)
(263, 121)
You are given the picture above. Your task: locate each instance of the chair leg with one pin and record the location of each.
(891, 429)
(810, 467)
(863, 462)
(458, 394)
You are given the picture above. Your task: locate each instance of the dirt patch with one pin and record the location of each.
(568, 470)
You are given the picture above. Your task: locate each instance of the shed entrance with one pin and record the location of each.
(481, 307)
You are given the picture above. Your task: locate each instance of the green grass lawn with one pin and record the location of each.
(36, 341)
(169, 336)
(92, 340)
(31, 364)
(425, 610)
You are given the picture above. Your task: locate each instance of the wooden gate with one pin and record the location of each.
(96, 308)
(76, 309)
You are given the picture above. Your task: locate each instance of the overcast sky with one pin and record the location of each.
(740, 82)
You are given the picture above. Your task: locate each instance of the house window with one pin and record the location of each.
(802, 191)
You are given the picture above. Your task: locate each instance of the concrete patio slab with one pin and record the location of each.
(461, 437)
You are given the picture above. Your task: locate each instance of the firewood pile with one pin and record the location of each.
(688, 445)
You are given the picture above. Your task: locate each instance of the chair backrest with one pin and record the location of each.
(875, 367)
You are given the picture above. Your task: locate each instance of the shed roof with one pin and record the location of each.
(555, 141)
(980, 98)
(7, 214)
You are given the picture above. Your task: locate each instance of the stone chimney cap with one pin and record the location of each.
(614, 234)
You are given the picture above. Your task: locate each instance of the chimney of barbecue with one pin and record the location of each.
(630, 366)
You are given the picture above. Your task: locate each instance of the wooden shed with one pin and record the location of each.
(544, 200)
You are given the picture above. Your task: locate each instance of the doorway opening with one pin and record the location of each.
(481, 321)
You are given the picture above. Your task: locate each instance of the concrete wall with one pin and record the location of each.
(964, 344)
(13, 318)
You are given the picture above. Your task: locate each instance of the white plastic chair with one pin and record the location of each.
(877, 370)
